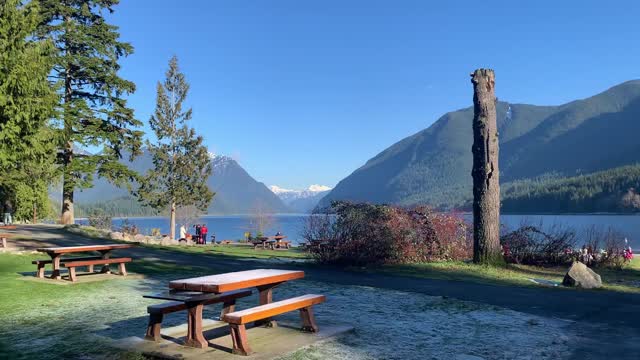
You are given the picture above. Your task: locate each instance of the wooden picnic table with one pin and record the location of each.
(196, 289)
(271, 240)
(56, 254)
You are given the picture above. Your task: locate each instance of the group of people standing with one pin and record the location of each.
(200, 236)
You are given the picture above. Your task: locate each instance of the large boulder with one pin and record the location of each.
(579, 275)
(116, 235)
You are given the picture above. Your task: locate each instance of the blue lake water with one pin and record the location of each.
(234, 227)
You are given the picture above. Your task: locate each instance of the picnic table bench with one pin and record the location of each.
(187, 300)
(265, 280)
(71, 263)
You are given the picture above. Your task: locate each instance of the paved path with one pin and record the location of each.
(608, 323)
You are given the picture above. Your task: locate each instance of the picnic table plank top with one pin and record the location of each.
(235, 280)
(83, 248)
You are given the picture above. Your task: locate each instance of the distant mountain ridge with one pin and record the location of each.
(301, 201)
(433, 166)
(236, 191)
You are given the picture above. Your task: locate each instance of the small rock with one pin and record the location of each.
(579, 275)
(116, 235)
(139, 238)
(533, 322)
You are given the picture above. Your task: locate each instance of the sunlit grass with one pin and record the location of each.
(241, 251)
(626, 279)
(236, 250)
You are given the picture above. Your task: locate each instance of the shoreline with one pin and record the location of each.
(303, 214)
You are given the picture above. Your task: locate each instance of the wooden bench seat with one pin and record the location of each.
(42, 263)
(72, 264)
(157, 312)
(237, 320)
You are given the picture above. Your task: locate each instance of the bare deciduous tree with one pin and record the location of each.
(188, 215)
(261, 219)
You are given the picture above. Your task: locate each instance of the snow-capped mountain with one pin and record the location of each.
(303, 201)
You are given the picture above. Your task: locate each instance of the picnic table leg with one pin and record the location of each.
(240, 342)
(72, 274)
(55, 264)
(308, 320)
(105, 255)
(40, 272)
(194, 323)
(228, 307)
(153, 329)
(122, 269)
(266, 297)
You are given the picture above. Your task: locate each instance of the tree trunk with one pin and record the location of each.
(486, 181)
(172, 221)
(67, 157)
(67, 196)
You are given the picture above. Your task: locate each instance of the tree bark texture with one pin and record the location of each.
(68, 183)
(486, 180)
(172, 221)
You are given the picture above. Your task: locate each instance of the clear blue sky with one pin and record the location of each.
(304, 92)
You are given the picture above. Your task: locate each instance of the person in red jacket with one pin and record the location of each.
(203, 232)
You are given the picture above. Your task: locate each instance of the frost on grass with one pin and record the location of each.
(401, 325)
(74, 322)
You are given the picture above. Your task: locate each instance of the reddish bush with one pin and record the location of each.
(362, 234)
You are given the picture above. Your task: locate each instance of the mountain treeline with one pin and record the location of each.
(613, 190)
(119, 207)
(433, 166)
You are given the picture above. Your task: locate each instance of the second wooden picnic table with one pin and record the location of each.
(262, 279)
(56, 254)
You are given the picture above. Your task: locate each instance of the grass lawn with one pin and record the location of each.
(626, 280)
(46, 320)
(237, 250)
(243, 251)
(43, 320)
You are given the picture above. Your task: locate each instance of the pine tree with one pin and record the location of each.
(94, 112)
(27, 102)
(181, 163)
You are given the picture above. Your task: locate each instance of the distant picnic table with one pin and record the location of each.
(272, 242)
(56, 254)
(194, 293)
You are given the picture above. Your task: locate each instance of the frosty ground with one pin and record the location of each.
(394, 317)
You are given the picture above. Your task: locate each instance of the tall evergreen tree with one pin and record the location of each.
(94, 112)
(27, 102)
(181, 163)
